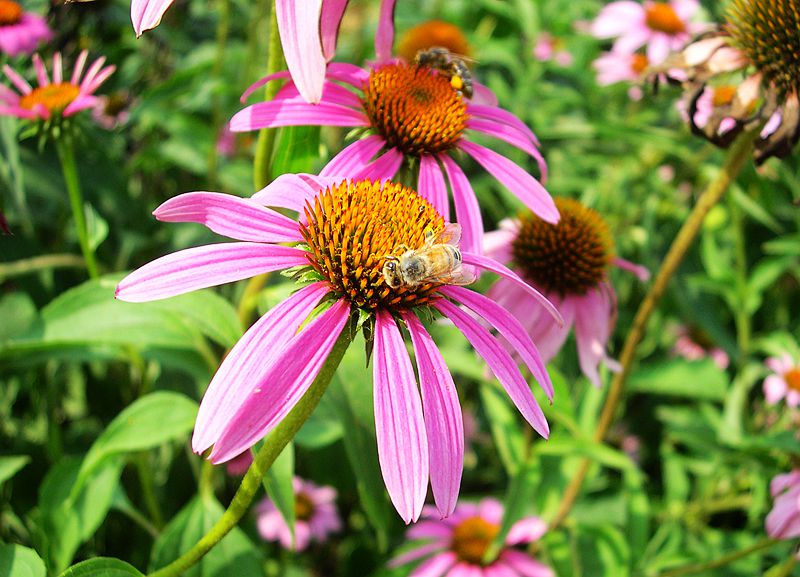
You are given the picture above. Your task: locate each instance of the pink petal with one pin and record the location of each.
(331, 92)
(443, 421)
(524, 565)
(774, 389)
(205, 266)
(348, 73)
(331, 18)
(94, 69)
(298, 24)
(526, 531)
(782, 482)
(292, 191)
(500, 363)
(146, 14)
(354, 158)
(617, 18)
(483, 95)
(498, 244)
(436, 566)
(292, 113)
(291, 372)
(414, 554)
(641, 272)
(593, 324)
(522, 184)
(633, 39)
(658, 48)
(399, 424)
(499, 569)
(490, 509)
(17, 80)
(509, 327)
(263, 81)
(497, 268)
(79, 64)
(468, 213)
(58, 69)
(41, 71)
(80, 103)
(548, 335)
(495, 114)
(431, 185)
(101, 77)
(511, 135)
(231, 216)
(384, 36)
(382, 168)
(436, 529)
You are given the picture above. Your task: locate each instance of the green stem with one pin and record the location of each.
(38, 263)
(735, 160)
(248, 301)
(223, 27)
(741, 315)
(274, 444)
(784, 569)
(721, 562)
(66, 155)
(266, 136)
(206, 483)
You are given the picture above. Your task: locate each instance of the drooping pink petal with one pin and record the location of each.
(499, 569)
(483, 95)
(436, 566)
(383, 167)
(468, 213)
(498, 244)
(465, 569)
(497, 268)
(292, 191)
(205, 266)
(641, 272)
(495, 114)
(354, 157)
(432, 186)
(283, 74)
(509, 134)
(331, 92)
(525, 565)
(384, 36)
(332, 11)
(523, 185)
(292, 113)
(592, 330)
(548, 335)
(231, 216)
(399, 424)
(299, 28)
(526, 531)
(146, 14)
(509, 327)
(443, 420)
(500, 363)
(283, 384)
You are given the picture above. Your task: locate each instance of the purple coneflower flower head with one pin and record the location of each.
(613, 67)
(56, 98)
(412, 113)
(548, 47)
(694, 344)
(660, 27)
(430, 34)
(784, 382)
(347, 234)
(783, 521)
(568, 262)
(20, 32)
(456, 546)
(315, 515)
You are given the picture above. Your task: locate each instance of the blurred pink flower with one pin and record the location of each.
(315, 514)
(238, 466)
(112, 111)
(613, 67)
(20, 31)
(226, 141)
(693, 344)
(783, 521)
(568, 262)
(344, 225)
(455, 547)
(548, 48)
(661, 27)
(57, 98)
(784, 382)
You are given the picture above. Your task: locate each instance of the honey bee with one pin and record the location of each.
(449, 64)
(438, 261)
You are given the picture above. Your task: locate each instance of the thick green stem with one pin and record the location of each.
(720, 562)
(66, 155)
(274, 444)
(266, 136)
(737, 155)
(223, 26)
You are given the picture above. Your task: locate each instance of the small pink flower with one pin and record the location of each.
(455, 547)
(20, 31)
(315, 514)
(613, 67)
(693, 344)
(226, 142)
(783, 521)
(662, 27)
(548, 48)
(341, 240)
(111, 111)
(784, 382)
(58, 98)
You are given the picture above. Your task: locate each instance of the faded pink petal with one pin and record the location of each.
(299, 27)
(641, 272)
(782, 482)
(617, 18)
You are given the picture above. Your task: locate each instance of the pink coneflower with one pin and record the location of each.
(456, 546)
(308, 31)
(784, 382)
(414, 114)
(20, 31)
(662, 27)
(549, 47)
(112, 111)
(56, 99)
(783, 522)
(569, 263)
(693, 344)
(430, 34)
(349, 231)
(315, 515)
(613, 67)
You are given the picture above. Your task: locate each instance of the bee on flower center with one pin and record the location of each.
(453, 66)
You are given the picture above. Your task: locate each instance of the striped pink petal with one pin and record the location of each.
(384, 36)
(383, 167)
(205, 266)
(443, 420)
(495, 114)
(292, 113)
(146, 14)
(331, 18)
(348, 73)
(354, 157)
(298, 24)
(511, 135)
(468, 213)
(432, 186)
(292, 191)
(263, 81)
(231, 216)
(399, 424)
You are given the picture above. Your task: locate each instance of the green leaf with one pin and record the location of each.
(279, 485)
(506, 426)
(19, 315)
(701, 379)
(102, 567)
(149, 422)
(235, 554)
(19, 561)
(518, 498)
(10, 465)
(296, 150)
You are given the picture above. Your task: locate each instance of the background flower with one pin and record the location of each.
(784, 382)
(21, 32)
(783, 521)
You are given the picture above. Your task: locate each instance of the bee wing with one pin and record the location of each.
(459, 276)
(451, 234)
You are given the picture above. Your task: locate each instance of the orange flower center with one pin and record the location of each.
(303, 507)
(415, 109)
(639, 63)
(471, 539)
(352, 228)
(54, 97)
(10, 12)
(433, 33)
(792, 378)
(569, 257)
(723, 95)
(661, 17)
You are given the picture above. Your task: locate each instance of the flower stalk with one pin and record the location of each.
(695, 568)
(274, 444)
(737, 156)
